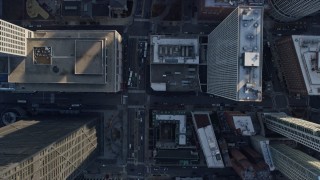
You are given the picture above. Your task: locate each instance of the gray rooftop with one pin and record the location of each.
(250, 48)
(308, 53)
(174, 77)
(78, 57)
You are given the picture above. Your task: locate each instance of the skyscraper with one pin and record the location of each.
(235, 56)
(294, 164)
(302, 131)
(291, 10)
(13, 39)
(62, 60)
(48, 148)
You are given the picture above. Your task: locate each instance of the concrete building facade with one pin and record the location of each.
(234, 56)
(13, 39)
(291, 10)
(48, 148)
(294, 164)
(302, 131)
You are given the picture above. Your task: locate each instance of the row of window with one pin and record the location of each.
(4, 34)
(294, 125)
(295, 135)
(13, 32)
(13, 51)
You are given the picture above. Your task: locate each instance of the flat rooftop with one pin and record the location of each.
(207, 138)
(250, 51)
(181, 118)
(174, 50)
(25, 138)
(174, 77)
(78, 57)
(216, 3)
(308, 53)
(89, 56)
(244, 124)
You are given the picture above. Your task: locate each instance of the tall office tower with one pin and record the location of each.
(304, 132)
(62, 60)
(53, 148)
(300, 64)
(291, 10)
(294, 164)
(235, 56)
(13, 39)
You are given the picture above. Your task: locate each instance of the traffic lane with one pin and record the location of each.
(83, 27)
(141, 121)
(130, 136)
(136, 170)
(199, 28)
(187, 10)
(63, 98)
(137, 99)
(138, 28)
(193, 100)
(147, 8)
(192, 171)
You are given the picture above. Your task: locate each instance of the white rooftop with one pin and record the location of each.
(171, 50)
(244, 123)
(307, 49)
(208, 141)
(159, 86)
(215, 3)
(261, 144)
(182, 124)
(250, 50)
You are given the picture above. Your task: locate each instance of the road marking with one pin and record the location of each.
(141, 20)
(136, 91)
(139, 37)
(135, 106)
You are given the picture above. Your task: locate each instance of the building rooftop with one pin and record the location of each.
(250, 48)
(244, 124)
(173, 50)
(67, 59)
(89, 57)
(207, 138)
(308, 53)
(215, 3)
(182, 124)
(25, 138)
(174, 63)
(174, 77)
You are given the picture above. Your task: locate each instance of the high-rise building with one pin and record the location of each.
(13, 39)
(50, 148)
(234, 56)
(302, 131)
(62, 60)
(294, 164)
(291, 10)
(300, 64)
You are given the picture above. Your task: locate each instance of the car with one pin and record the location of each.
(194, 167)
(141, 138)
